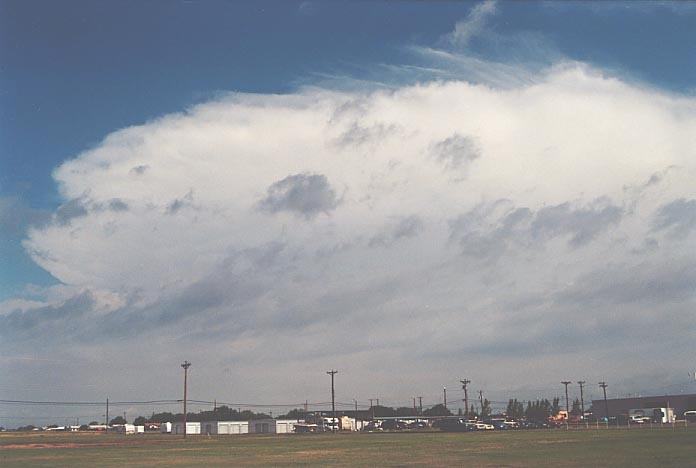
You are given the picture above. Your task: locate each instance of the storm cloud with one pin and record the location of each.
(343, 240)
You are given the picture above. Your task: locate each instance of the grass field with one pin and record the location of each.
(515, 448)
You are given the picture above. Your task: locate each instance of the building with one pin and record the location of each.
(262, 426)
(191, 428)
(225, 427)
(622, 406)
(286, 426)
(166, 428)
(124, 428)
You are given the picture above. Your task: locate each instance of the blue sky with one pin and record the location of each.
(73, 73)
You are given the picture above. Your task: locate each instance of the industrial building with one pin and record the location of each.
(225, 427)
(622, 406)
(286, 426)
(262, 426)
(191, 428)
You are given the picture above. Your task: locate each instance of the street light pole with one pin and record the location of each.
(186, 366)
(606, 404)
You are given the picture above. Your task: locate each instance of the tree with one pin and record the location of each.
(437, 410)
(555, 406)
(93, 423)
(117, 420)
(515, 409)
(383, 411)
(140, 421)
(576, 410)
(486, 409)
(296, 413)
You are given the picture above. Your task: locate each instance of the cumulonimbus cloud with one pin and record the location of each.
(257, 218)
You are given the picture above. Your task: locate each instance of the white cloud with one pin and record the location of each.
(380, 279)
(472, 25)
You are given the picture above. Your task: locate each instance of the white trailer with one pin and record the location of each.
(225, 427)
(191, 428)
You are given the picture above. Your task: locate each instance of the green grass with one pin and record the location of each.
(642, 447)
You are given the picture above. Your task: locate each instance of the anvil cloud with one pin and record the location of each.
(513, 231)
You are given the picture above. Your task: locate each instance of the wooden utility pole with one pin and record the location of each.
(582, 399)
(186, 366)
(566, 383)
(466, 382)
(334, 426)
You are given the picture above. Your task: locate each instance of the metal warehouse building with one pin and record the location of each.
(191, 428)
(225, 427)
(621, 406)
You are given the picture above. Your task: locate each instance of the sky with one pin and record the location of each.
(411, 193)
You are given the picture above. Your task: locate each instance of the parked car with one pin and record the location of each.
(453, 425)
(481, 426)
(393, 425)
(417, 425)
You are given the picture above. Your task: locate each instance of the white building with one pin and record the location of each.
(191, 428)
(225, 427)
(124, 428)
(166, 428)
(285, 426)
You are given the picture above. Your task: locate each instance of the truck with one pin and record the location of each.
(647, 415)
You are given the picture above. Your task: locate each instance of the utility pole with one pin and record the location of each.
(480, 392)
(466, 382)
(334, 425)
(582, 399)
(186, 366)
(356, 413)
(566, 383)
(107, 411)
(372, 408)
(415, 411)
(420, 405)
(606, 405)
(444, 396)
